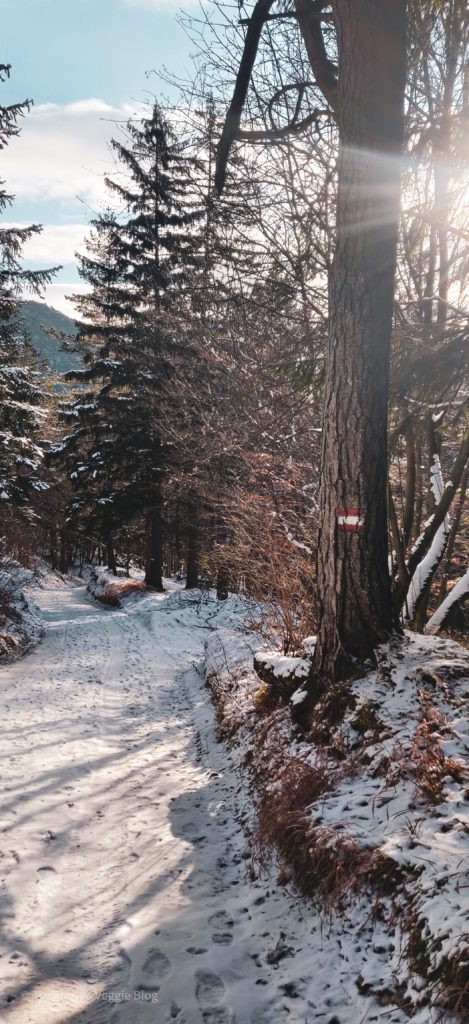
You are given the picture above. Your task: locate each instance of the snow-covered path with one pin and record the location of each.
(125, 880)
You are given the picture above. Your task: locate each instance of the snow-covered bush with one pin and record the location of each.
(20, 621)
(113, 590)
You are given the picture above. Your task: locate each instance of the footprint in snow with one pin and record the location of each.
(209, 992)
(218, 1015)
(222, 938)
(209, 989)
(156, 964)
(124, 956)
(223, 924)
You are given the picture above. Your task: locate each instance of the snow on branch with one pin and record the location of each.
(296, 543)
(425, 569)
(459, 590)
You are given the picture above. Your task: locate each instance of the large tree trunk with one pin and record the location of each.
(110, 554)
(53, 547)
(441, 156)
(192, 575)
(356, 610)
(154, 521)
(64, 555)
(154, 559)
(223, 574)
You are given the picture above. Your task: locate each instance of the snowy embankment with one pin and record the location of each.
(369, 818)
(20, 620)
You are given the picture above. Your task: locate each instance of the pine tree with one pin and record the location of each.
(100, 409)
(21, 391)
(134, 334)
(158, 246)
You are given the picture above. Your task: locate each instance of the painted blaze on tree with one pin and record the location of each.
(353, 576)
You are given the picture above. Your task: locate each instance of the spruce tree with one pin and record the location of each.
(97, 413)
(158, 245)
(21, 391)
(134, 336)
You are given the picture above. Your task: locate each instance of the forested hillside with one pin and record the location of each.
(51, 334)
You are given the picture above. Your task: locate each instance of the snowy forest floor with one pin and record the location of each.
(128, 888)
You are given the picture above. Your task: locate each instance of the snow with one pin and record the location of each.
(436, 479)
(308, 645)
(426, 567)
(298, 696)
(129, 891)
(458, 591)
(296, 543)
(20, 620)
(283, 667)
(378, 809)
(127, 884)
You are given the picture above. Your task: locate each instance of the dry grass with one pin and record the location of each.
(424, 760)
(455, 983)
(323, 863)
(266, 555)
(265, 699)
(7, 644)
(430, 764)
(367, 721)
(229, 713)
(449, 981)
(271, 738)
(328, 714)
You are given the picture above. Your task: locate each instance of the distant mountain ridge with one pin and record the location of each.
(37, 317)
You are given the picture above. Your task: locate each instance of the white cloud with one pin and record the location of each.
(56, 245)
(162, 5)
(55, 295)
(63, 152)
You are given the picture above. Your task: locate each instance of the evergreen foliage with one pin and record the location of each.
(21, 392)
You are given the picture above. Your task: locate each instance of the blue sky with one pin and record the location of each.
(85, 65)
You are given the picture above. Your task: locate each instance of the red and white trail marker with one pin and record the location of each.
(350, 520)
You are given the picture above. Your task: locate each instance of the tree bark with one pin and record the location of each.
(64, 563)
(53, 547)
(154, 559)
(110, 554)
(409, 506)
(192, 575)
(356, 610)
(442, 149)
(223, 583)
(397, 541)
(418, 512)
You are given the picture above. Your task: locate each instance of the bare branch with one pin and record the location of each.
(233, 117)
(291, 14)
(295, 127)
(325, 71)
